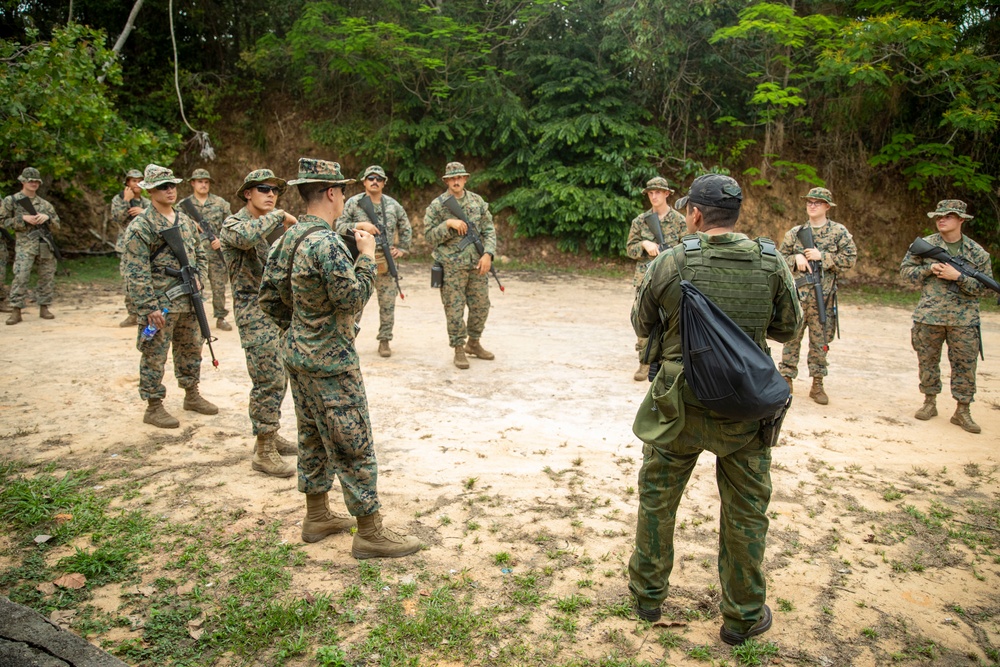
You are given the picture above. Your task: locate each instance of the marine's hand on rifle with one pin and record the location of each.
(39, 219)
(367, 227)
(216, 243)
(135, 211)
(396, 252)
(945, 271)
(813, 255)
(651, 248)
(156, 319)
(458, 225)
(484, 264)
(365, 241)
(802, 264)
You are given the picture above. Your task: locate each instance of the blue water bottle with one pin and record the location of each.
(150, 329)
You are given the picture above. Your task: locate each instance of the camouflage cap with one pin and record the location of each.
(821, 194)
(199, 174)
(258, 176)
(454, 169)
(713, 190)
(157, 175)
(312, 170)
(132, 173)
(30, 174)
(374, 169)
(946, 206)
(657, 183)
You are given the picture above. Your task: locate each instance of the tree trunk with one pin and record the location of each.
(126, 31)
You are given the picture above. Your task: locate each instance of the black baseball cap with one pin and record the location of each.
(713, 190)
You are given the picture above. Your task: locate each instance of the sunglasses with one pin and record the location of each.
(814, 202)
(374, 178)
(265, 189)
(166, 186)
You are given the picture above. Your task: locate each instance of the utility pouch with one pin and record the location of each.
(437, 275)
(771, 427)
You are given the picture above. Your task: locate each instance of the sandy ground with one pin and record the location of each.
(542, 438)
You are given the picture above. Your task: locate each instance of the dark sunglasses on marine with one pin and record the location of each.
(166, 186)
(266, 189)
(374, 178)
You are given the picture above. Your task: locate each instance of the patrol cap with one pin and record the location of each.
(199, 174)
(821, 194)
(657, 183)
(713, 190)
(258, 176)
(157, 175)
(312, 170)
(132, 173)
(455, 169)
(374, 169)
(946, 206)
(30, 174)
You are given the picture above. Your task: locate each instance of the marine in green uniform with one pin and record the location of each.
(948, 312)
(213, 209)
(313, 291)
(126, 206)
(643, 247)
(465, 280)
(756, 290)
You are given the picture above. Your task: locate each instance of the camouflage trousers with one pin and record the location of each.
(385, 287)
(218, 278)
(269, 384)
(963, 348)
(465, 287)
(744, 481)
(640, 343)
(816, 359)
(130, 307)
(182, 333)
(335, 438)
(26, 253)
(3, 270)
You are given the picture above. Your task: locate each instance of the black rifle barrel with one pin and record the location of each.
(922, 248)
(172, 237)
(471, 234)
(815, 277)
(382, 238)
(653, 222)
(44, 229)
(206, 226)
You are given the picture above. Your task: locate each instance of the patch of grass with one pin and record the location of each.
(891, 494)
(572, 604)
(785, 605)
(527, 589)
(502, 558)
(89, 271)
(754, 652)
(871, 633)
(669, 640)
(702, 653)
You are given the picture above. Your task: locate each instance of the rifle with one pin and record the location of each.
(43, 229)
(653, 221)
(815, 278)
(382, 239)
(189, 285)
(922, 248)
(472, 236)
(206, 228)
(132, 203)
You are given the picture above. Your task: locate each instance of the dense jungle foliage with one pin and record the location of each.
(565, 106)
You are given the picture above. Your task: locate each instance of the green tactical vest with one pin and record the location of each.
(734, 278)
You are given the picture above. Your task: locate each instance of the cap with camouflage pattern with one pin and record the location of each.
(258, 176)
(453, 169)
(199, 174)
(374, 169)
(312, 170)
(821, 194)
(157, 175)
(657, 183)
(946, 206)
(132, 173)
(713, 190)
(30, 174)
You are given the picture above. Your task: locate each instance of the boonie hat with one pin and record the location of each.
(946, 206)
(132, 173)
(657, 183)
(312, 170)
(157, 175)
(821, 194)
(453, 169)
(258, 176)
(374, 169)
(30, 174)
(713, 190)
(199, 174)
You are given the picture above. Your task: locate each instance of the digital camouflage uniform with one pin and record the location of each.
(121, 218)
(948, 311)
(29, 247)
(463, 286)
(758, 293)
(839, 254)
(245, 248)
(3, 265)
(392, 217)
(316, 311)
(673, 228)
(147, 283)
(215, 210)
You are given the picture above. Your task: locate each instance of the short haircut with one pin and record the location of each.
(713, 217)
(313, 192)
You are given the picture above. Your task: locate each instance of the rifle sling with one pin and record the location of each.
(291, 255)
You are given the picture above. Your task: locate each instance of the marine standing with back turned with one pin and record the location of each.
(948, 311)
(643, 246)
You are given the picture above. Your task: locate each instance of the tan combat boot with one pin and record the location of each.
(642, 373)
(929, 408)
(320, 521)
(374, 541)
(222, 325)
(963, 418)
(460, 359)
(129, 321)
(285, 447)
(816, 393)
(195, 402)
(789, 381)
(15, 316)
(475, 349)
(158, 416)
(267, 460)
(383, 349)
(45, 313)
